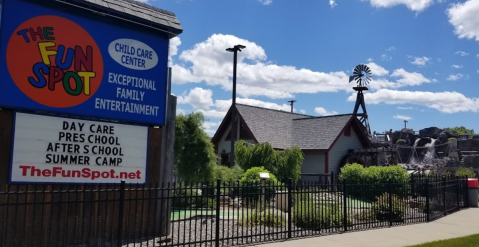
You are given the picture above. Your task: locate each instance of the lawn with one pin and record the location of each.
(468, 241)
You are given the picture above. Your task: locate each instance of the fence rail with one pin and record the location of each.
(216, 214)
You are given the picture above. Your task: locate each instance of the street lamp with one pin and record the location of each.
(405, 123)
(235, 50)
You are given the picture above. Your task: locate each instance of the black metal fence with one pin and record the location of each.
(216, 214)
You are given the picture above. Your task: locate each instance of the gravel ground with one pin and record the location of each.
(183, 232)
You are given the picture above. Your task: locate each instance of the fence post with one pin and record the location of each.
(412, 186)
(290, 207)
(218, 199)
(466, 192)
(427, 200)
(345, 210)
(390, 202)
(457, 193)
(120, 214)
(444, 194)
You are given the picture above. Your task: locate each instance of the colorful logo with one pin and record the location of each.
(54, 61)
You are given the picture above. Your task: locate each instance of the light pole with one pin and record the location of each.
(405, 123)
(235, 50)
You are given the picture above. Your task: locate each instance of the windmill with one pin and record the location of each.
(362, 76)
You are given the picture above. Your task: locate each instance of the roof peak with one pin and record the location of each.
(329, 116)
(269, 109)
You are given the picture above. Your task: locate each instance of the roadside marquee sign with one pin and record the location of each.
(65, 150)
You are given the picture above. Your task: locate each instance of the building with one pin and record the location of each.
(325, 141)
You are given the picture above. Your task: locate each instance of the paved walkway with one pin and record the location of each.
(459, 224)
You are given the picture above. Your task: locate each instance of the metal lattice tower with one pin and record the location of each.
(362, 76)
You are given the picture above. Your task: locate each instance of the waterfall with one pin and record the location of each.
(422, 159)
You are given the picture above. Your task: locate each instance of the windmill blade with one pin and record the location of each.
(351, 78)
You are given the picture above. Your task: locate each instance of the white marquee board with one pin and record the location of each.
(65, 150)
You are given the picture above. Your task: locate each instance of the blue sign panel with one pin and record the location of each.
(63, 63)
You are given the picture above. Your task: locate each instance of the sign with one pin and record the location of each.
(63, 63)
(65, 150)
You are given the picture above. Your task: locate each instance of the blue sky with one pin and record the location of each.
(423, 54)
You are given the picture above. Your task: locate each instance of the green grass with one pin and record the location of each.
(468, 241)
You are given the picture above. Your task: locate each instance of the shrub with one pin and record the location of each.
(311, 216)
(463, 171)
(370, 182)
(381, 208)
(251, 186)
(266, 218)
(226, 174)
(283, 164)
(191, 197)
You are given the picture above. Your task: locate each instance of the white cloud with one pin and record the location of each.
(323, 112)
(406, 108)
(464, 18)
(462, 53)
(385, 57)
(477, 55)
(208, 62)
(455, 77)
(392, 48)
(173, 49)
(419, 61)
(370, 59)
(410, 78)
(414, 5)
(266, 2)
(221, 107)
(302, 111)
(377, 70)
(198, 98)
(446, 102)
(457, 66)
(210, 127)
(402, 117)
(332, 3)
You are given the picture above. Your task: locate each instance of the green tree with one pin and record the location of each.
(283, 164)
(461, 130)
(289, 165)
(195, 157)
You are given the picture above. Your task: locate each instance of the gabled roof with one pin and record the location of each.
(135, 11)
(269, 125)
(285, 129)
(318, 132)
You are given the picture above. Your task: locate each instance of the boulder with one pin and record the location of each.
(445, 135)
(396, 135)
(423, 141)
(471, 161)
(401, 142)
(432, 132)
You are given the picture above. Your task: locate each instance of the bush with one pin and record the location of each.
(226, 174)
(381, 208)
(463, 171)
(266, 218)
(370, 182)
(192, 197)
(251, 186)
(283, 164)
(308, 215)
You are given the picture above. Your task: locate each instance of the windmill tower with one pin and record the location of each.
(362, 76)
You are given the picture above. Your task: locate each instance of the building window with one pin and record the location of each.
(347, 131)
